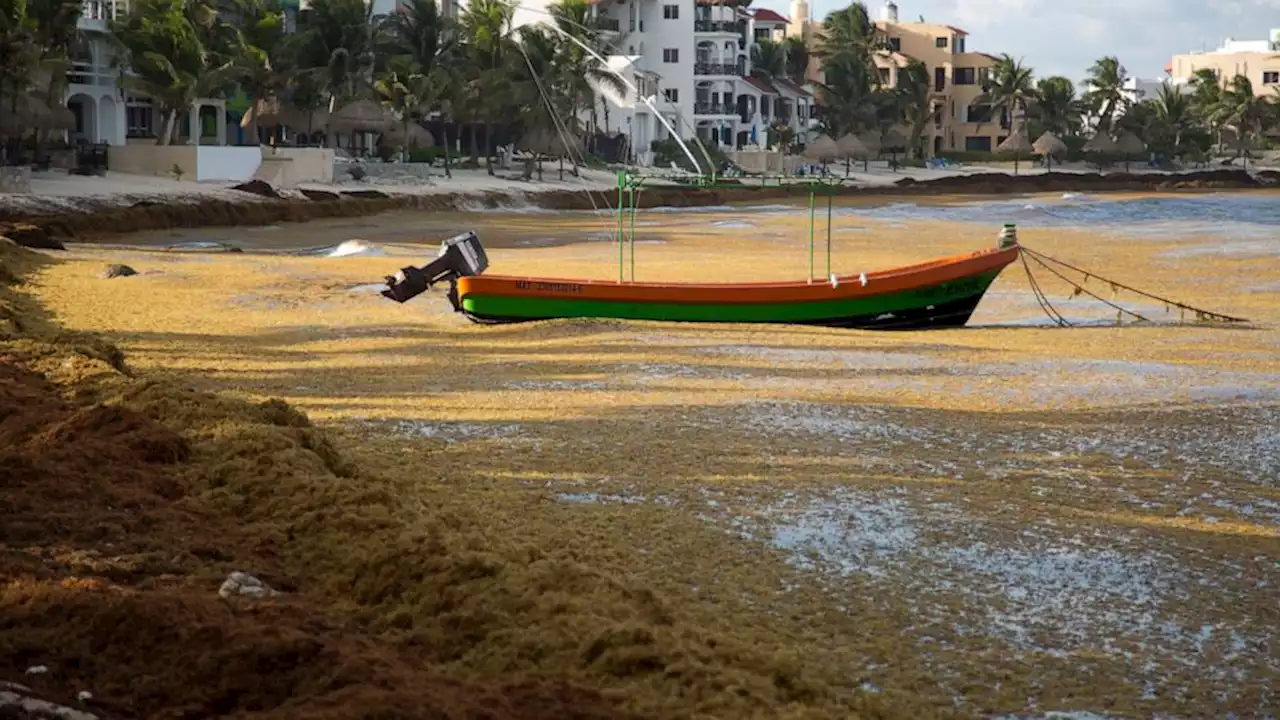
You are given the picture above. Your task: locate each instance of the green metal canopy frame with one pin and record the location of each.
(630, 186)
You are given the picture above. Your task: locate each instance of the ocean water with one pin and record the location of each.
(1235, 216)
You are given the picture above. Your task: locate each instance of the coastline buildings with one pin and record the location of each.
(106, 112)
(957, 74)
(692, 62)
(1258, 60)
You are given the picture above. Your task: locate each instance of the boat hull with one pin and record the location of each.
(932, 295)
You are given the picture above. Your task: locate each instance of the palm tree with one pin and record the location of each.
(1242, 111)
(261, 38)
(797, 54)
(849, 74)
(916, 103)
(489, 47)
(425, 43)
(335, 44)
(1011, 90)
(584, 72)
(1056, 106)
(165, 45)
(19, 58)
(769, 59)
(1206, 94)
(1105, 94)
(1174, 117)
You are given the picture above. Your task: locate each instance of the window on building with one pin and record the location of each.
(895, 44)
(964, 76)
(631, 18)
(939, 79)
(984, 77)
(671, 55)
(761, 34)
(959, 43)
(979, 114)
(884, 76)
(978, 144)
(671, 95)
(1271, 77)
(940, 42)
(139, 118)
(670, 12)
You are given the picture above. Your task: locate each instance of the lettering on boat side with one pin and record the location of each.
(548, 286)
(962, 287)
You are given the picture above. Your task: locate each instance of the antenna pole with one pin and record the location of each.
(811, 191)
(622, 183)
(830, 193)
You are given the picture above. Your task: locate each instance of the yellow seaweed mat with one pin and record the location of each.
(742, 522)
(392, 560)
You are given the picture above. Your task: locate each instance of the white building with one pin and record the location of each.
(695, 57)
(106, 113)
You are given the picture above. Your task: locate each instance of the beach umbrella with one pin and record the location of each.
(1100, 144)
(412, 135)
(361, 115)
(543, 142)
(895, 142)
(1131, 146)
(1017, 144)
(850, 146)
(823, 150)
(1047, 146)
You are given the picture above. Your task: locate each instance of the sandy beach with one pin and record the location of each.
(1005, 520)
(56, 192)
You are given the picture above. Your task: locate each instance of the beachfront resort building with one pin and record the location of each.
(960, 121)
(691, 62)
(106, 112)
(1258, 60)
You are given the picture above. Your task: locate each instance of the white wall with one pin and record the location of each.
(236, 164)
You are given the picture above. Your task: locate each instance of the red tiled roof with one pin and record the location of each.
(768, 15)
(761, 84)
(956, 30)
(793, 87)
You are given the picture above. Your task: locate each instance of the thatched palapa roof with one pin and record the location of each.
(1048, 144)
(1017, 143)
(361, 115)
(822, 149)
(1101, 143)
(851, 146)
(1130, 144)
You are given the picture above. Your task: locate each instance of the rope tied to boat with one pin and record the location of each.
(1078, 288)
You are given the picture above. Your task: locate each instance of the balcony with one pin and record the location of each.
(712, 108)
(608, 24)
(715, 26)
(95, 14)
(714, 68)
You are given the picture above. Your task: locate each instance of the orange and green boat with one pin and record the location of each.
(935, 294)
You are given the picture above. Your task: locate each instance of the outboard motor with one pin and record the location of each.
(459, 255)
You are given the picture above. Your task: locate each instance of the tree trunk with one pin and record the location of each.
(488, 145)
(251, 130)
(168, 125)
(475, 146)
(448, 152)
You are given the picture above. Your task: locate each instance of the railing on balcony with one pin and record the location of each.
(715, 26)
(714, 68)
(608, 24)
(103, 9)
(712, 108)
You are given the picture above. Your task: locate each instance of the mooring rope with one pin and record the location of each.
(1041, 299)
(1043, 261)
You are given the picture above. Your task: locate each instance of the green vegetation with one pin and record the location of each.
(856, 97)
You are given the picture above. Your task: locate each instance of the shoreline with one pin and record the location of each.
(43, 220)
